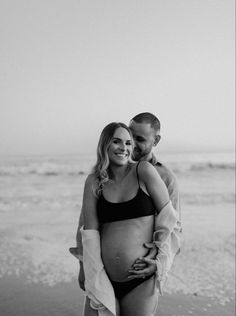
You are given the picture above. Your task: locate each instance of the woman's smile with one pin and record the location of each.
(122, 155)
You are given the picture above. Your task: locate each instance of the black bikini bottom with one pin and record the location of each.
(123, 288)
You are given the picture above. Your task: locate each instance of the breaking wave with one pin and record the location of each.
(75, 167)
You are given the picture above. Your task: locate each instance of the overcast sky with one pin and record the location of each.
(69, 67)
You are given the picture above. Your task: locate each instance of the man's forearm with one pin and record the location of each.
(171, 244)
(166, 238)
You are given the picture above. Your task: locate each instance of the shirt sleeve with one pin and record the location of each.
(174, 194)
(168, 248)
(170, 181)
(166, 241)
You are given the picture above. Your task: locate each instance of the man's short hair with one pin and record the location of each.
(149, 118)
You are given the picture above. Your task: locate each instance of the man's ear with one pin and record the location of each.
(157, 139)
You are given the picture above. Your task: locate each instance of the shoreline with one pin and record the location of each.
(18, 297)
(39, 210)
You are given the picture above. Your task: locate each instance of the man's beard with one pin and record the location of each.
(137, 155)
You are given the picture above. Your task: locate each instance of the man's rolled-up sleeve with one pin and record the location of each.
(166, 237)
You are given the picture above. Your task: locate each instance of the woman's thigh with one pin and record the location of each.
(141, 301)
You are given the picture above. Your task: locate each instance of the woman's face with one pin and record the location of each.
(120, 149)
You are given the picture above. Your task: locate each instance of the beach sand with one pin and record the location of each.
(38, 222)
(66, 299)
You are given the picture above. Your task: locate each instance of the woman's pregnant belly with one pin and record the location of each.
(122, 243)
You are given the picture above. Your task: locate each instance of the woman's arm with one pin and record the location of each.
(166, 216)
(164, 223)
(155, 186)
(89, 205)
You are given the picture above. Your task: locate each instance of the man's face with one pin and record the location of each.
(144, 139)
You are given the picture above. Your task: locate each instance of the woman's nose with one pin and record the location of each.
(122, 146)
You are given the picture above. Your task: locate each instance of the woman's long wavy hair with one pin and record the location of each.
(100, 170)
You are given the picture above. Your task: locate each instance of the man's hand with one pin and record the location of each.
(81, 277)
(140, 264)
(150, 269)
(145, 266)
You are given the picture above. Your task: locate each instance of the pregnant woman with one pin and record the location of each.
(120, 201)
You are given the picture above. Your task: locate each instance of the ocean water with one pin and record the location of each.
(40, 202)
(80, 164)
(60, 179)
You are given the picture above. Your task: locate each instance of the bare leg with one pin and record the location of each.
(88, 311)
(141, 301)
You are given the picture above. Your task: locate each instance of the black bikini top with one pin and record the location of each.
(139, 206)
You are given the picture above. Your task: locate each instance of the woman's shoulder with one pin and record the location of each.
(139, 166)
(146, 171)
(90, 186)
(90, 180)
(145, 166)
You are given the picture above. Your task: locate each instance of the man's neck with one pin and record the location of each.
(148, 157)
(153, 160)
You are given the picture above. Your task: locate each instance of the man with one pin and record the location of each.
(145, 128)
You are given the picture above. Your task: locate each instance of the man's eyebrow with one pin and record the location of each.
(141, 137)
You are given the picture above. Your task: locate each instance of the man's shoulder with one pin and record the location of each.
(165, 172)
(170, 181)
(163, 168)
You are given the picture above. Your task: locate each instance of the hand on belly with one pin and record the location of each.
(122, 243)
(118, 260)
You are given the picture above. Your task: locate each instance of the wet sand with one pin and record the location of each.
(38, 222)
(19, 298)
